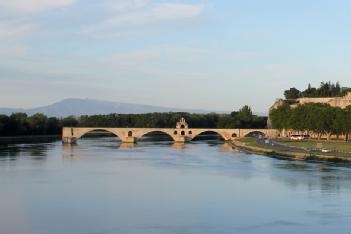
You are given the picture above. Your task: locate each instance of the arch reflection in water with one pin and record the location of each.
(156, 136)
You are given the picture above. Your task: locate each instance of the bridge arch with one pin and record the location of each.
(254, 133)
(157, 131)
(209, 131)
(83, 133)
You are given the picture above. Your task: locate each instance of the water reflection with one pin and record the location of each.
(125, 146)
(227, 148)
(328, 179)
(178, 146)
(71, 147)
(34, 151)
(161, 187)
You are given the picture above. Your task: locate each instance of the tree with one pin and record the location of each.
(245, 113)
(244, 118)
(292, 93)
(70, 121)
(37, 124)
(309, 92)
(326, 89)
(53, 126)
(18, 124)
(313, 117)
(341, 122)
(299, 118)
(280, 117)
(347, 122)
(336, 90)
(4, 125)
(327, 118)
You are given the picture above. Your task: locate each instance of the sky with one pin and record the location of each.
(203, 54)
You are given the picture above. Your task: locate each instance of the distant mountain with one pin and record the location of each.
(79, 107)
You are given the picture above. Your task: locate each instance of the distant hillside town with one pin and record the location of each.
(323, 112)
(327, 93)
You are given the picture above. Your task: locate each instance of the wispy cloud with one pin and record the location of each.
(12, 30)
(156, 14)
(17, 17)
(276, 71)
(156, 55)
(132, 59)
(32, 6)
(126, 5)
(144, 13)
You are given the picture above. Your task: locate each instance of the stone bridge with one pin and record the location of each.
(181, 133)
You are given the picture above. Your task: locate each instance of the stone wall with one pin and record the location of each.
(341, 102)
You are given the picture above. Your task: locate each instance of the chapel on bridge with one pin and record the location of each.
(181, 124)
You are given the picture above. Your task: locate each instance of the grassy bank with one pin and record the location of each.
(315, 144)
(250, 145)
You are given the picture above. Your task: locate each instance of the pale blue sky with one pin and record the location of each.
(215, 55)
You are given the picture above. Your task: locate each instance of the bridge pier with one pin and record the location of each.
(129, 140)
(69, 140)
(181, 139)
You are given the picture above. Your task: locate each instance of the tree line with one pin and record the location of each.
(326, 89)
(20, 124)
(39, 124)
(313, 117)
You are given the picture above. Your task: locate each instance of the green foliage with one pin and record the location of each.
(280, 117)
(69, 121)
(315, 117)
(53, 126)
(19, 124)
(4, 124)
(292, 93)
(326, 89)
(237, 119)
(248, 140)
(39, 124)
(245, 119)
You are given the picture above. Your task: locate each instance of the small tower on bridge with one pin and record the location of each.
(182, 124)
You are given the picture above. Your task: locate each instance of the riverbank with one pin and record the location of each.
(251, 146)
(28, 139)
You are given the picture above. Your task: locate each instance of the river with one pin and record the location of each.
(103, 186)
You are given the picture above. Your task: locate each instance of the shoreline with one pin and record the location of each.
(243, 146)
(295, 156)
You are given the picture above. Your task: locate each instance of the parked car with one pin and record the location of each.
(325, 150)
(297, 137)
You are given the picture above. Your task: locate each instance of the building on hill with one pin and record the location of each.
(341, 102)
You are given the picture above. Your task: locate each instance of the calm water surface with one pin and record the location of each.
(102, 186)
